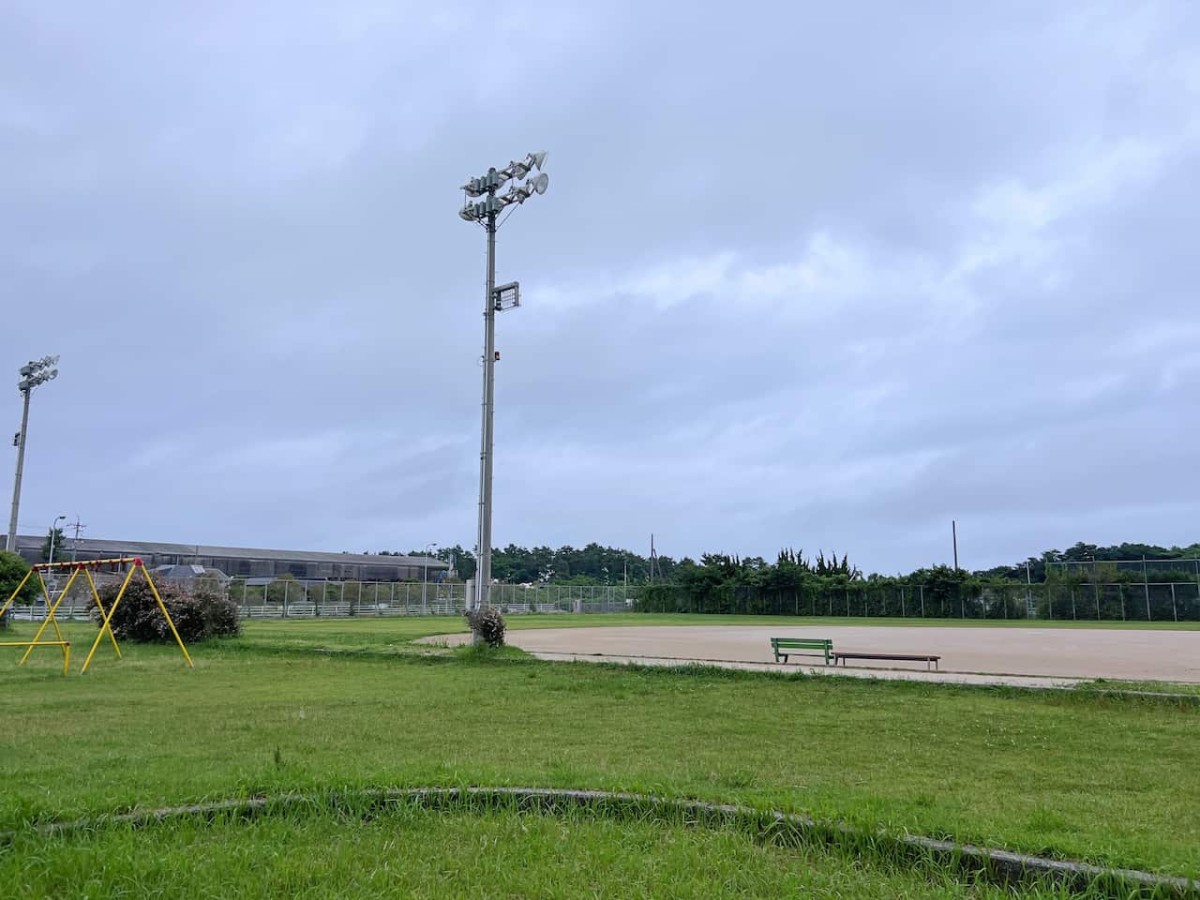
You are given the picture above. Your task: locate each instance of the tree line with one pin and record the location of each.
(592, 564)
(597, 564)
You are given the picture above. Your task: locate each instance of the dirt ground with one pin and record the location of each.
(1065, 653)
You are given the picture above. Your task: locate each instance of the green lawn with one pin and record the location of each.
(1110, 780)
(415, 853)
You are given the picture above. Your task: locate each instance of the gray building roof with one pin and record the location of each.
(190, 573)
(92, 546)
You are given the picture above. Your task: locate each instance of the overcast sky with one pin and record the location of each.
(809, 275)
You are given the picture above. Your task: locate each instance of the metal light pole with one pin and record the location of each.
(495, 300)
(53, 528)
(33, 373)
(425, 576)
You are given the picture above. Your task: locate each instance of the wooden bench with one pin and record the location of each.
(780, 645)
(907, 657)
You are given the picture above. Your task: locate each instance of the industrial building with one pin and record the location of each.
(245, 562)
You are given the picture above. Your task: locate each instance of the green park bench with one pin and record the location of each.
(781, 646)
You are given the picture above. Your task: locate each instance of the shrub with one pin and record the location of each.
(488, 624)
(198, 614)
(12, 570)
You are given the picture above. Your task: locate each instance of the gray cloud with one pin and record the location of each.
(810, 277)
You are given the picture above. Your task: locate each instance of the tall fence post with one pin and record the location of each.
(921, 588)
(1146, 585)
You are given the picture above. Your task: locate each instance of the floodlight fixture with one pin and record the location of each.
(34, 373)
(519, 170)
(497, 178)
(507, 296)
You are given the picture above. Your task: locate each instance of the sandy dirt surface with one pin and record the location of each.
(1052, 653)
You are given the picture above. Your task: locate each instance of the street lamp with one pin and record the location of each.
(33, 373)
(484, 212)
(425, 575)
(53, 529)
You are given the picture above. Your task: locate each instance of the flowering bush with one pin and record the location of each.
(198, 614)
(488, 623)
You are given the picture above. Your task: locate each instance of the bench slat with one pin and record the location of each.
(908, 657)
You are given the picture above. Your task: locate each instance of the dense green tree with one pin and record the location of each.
(13, 570)
(55, 534)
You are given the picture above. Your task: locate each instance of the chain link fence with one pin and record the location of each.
(1176, 601)
(1122, 602)
(285, 599)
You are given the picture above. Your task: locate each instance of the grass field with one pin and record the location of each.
(1110, 780)
(423, 854)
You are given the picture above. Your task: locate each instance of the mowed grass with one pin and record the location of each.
(416, 853)
(1109, 780)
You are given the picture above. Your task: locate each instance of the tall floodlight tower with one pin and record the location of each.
(33, 373)
(483, 204)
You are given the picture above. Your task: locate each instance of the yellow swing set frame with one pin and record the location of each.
(85, 568)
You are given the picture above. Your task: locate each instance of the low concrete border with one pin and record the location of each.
(999, 866)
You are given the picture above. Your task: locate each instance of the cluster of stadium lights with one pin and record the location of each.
(34, 373)
(37, 371)
(496, 299)
(487, 186)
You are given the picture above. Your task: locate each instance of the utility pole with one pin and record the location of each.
(495, 300)
(954, 536)
(77, 525)
(33, 373)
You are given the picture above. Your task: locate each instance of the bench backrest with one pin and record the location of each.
(803, 643)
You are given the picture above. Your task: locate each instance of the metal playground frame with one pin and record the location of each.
(85, 568)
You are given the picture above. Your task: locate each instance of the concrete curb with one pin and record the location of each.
(998, 866)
